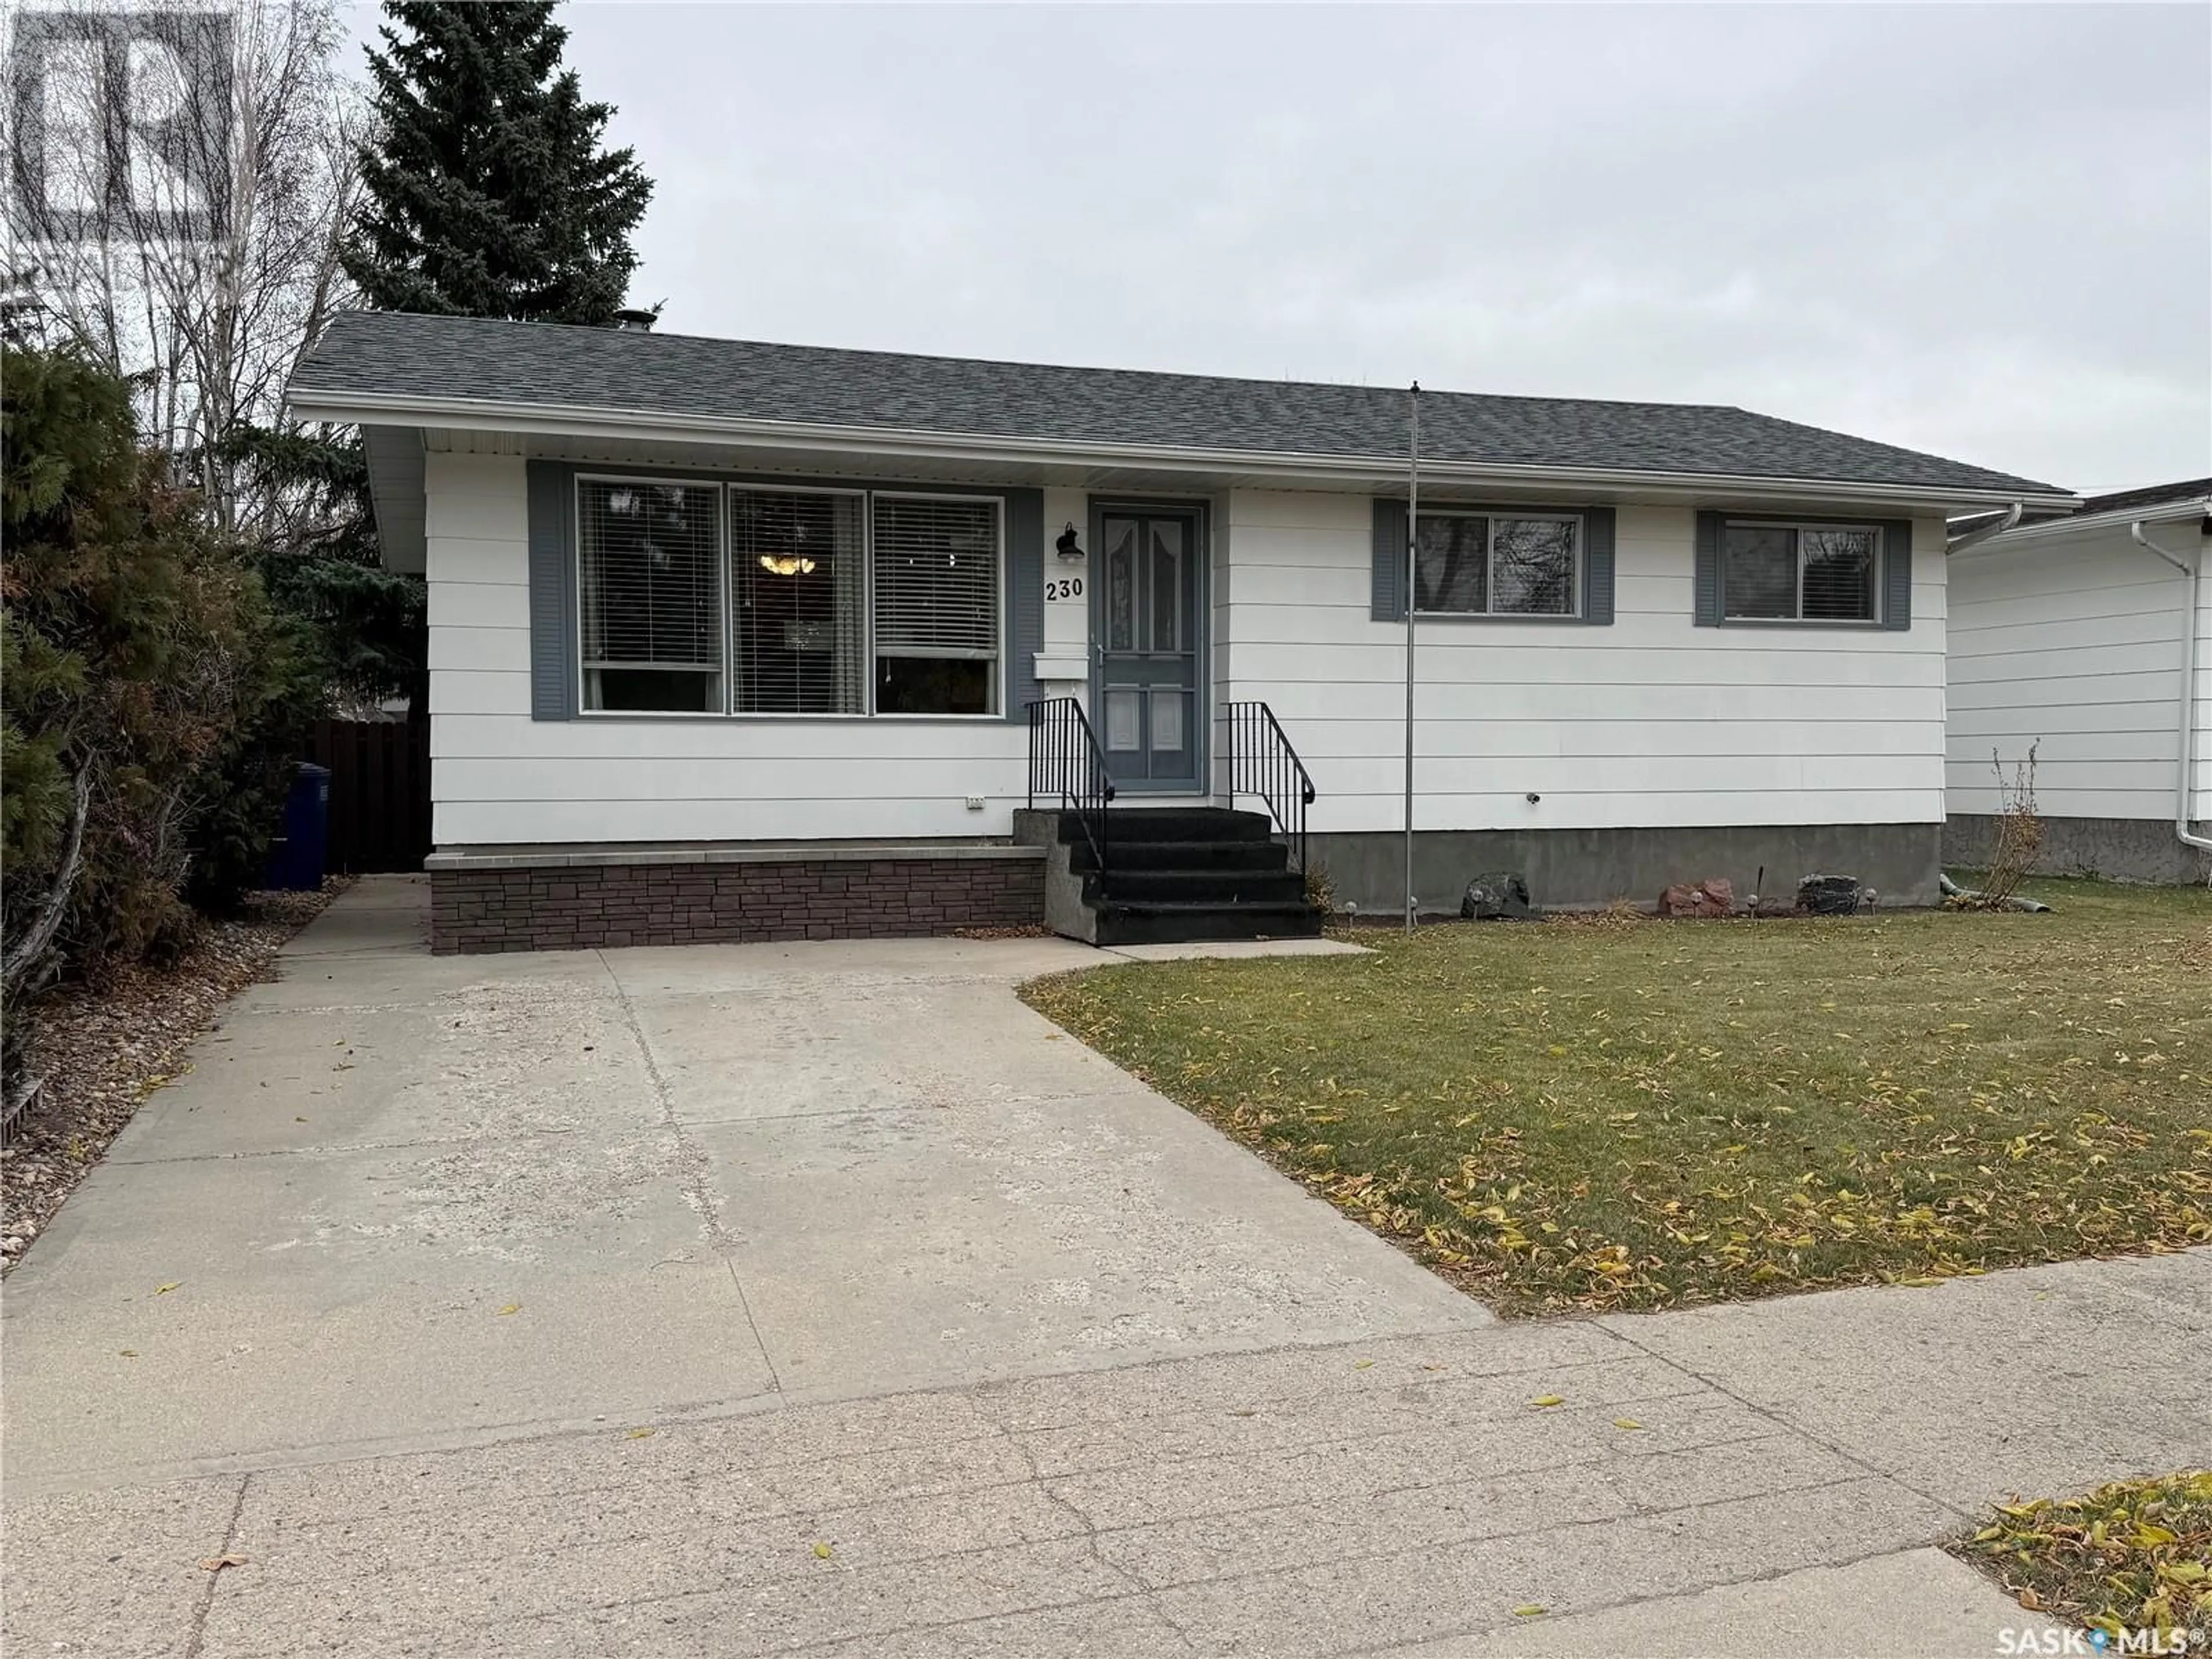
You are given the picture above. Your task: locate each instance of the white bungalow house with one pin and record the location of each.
(733, 641)
(2088, 638)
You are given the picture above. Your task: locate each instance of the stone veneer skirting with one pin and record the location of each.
(558, 899)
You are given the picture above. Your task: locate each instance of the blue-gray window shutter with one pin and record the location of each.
(1387, 579)
(1707, 610)
(1597, 567)
(553, 662)
(1897, 574)
(1024, 597)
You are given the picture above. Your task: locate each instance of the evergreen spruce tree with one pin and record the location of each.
(486, 193)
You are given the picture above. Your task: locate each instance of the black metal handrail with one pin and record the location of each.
(1262, 763)
(1066, 760)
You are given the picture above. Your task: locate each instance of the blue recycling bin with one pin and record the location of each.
(298, 855)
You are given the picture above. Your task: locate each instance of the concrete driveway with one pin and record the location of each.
(822, 1299)
(406, 1199)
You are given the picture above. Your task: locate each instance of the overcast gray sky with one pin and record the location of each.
(1984, 231)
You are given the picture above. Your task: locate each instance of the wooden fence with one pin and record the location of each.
(379, 793)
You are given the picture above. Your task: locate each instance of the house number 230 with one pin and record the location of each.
(1064, 588)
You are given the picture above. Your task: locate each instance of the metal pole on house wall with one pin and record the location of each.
(1413, 532)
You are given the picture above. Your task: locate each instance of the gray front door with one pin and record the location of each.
(1149, 632)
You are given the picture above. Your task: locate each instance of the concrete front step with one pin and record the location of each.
(1261, 857)
(1118, 885)
(1169, 922)
(1129, 825)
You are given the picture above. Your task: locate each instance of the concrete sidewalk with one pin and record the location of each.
(823, 1298)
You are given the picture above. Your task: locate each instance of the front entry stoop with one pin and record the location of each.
(1172, 875)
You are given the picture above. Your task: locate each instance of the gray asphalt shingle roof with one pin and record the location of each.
(557, 366)
(2155, 495)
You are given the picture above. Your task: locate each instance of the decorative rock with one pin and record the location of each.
(1713, 897)
(1499, 896)
(1829, 896)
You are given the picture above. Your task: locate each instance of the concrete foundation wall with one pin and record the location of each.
(2119, 849)
(1589, 867)
(488, 910)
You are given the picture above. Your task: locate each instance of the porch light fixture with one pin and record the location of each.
(786, 567)
(1067, 546)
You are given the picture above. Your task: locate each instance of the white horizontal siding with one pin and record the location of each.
(2200, 785)
(1651, 721)
(499, 777)
(481, 605)
(2074, 647)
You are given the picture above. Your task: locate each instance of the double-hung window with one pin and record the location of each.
(936, 605)
(702, 598)
(1775, 572)
(1499, 565)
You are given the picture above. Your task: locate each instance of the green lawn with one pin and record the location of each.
(1615, 1113)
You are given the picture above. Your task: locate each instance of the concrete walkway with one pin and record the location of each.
(739, 1300)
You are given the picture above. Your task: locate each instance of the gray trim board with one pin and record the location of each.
(1025, 556)
(1386, 578)
(1896, 575)
(554, 652)
(1705, 610)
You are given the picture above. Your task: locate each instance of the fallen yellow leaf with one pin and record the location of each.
(1528, 1610)
(511, 1308)
(638, 1434)
(1626, 1423)
(822, 1551)
(163, 1290)
(1361, 1365)
(1548, 1400)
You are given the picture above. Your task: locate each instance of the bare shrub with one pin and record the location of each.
(2016, 843)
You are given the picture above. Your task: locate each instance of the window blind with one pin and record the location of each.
(799, 591)
(649, 568)
(937, 578)
(936, 605)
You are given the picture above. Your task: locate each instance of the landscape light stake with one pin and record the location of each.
(1412, 534)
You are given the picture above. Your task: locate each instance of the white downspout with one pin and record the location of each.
(2195, 572)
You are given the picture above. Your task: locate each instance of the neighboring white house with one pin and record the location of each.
(2089, 639)
(757, 628)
